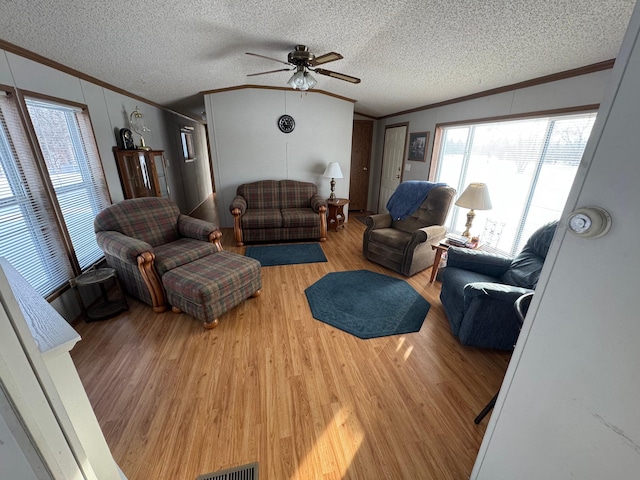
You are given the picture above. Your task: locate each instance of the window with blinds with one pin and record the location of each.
(71, 157)
(30, 238)
(528, 165)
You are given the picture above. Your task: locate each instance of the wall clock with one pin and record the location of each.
(286, 123)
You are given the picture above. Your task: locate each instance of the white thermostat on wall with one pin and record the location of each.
(589, 222)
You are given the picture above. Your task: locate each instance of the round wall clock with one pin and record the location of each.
(286, 123)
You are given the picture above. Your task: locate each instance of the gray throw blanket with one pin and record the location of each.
(408, 197)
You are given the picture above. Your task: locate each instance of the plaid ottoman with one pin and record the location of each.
(212, 285)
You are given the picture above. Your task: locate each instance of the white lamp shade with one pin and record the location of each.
(475, 197)
(333, 171)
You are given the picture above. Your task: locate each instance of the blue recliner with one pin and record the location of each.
(479, 289)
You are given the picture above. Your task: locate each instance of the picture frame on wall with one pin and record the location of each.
(418, 142)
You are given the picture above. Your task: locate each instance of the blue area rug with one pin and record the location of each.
(367, 304)
(270, 255)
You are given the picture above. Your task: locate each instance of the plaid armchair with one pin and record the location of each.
(272, 210)
(143, 238)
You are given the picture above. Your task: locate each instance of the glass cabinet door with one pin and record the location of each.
(138, 173)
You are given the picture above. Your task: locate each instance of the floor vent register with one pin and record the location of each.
(244, 472)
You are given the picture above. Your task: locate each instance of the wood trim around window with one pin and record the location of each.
(22, 95)
(523, 116)
(44, 173)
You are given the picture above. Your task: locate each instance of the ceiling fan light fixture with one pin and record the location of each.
(302, 80)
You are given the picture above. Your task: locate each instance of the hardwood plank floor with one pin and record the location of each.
(273, 385)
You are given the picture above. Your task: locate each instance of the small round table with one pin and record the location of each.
(104, 307)
(335, 218)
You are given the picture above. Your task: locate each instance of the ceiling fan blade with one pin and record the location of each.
(326, 58)
(340, 76)
(270, 71)
(268, 58)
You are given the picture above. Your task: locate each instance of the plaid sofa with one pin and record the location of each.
(273, 210)
(144, 238)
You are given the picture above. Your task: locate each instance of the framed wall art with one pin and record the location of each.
(418, 142)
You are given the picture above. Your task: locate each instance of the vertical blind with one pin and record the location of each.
(528, 165)
(30, 238)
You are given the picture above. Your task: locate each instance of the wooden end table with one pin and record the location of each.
(440, 249)
(335, 218)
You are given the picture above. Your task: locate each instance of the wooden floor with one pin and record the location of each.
(271, 384)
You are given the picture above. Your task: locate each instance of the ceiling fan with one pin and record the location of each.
(302, 61)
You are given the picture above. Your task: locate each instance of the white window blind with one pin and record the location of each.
(67, 144)
(528, 165)
(30, 238)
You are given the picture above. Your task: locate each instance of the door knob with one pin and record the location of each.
(365, 169)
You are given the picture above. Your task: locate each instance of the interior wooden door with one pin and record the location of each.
(395, 143)
(360, 162)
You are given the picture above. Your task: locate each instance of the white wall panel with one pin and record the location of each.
(248, 146)
(325, 131)
(569, 92)
(5, 73)
(483, 107)
(105, 136)
(15, 456)
(36, 77)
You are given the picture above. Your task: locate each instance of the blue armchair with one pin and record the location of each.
(480, 288)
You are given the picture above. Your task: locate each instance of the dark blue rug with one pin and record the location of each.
(367, 304)
(270, 255)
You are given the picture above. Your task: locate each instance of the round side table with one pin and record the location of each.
(104, 307)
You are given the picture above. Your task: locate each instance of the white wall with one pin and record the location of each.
(248, 146)
(569, 405)
(571, 92)
(16, 454)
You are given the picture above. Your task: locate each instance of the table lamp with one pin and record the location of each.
(333, 171)
(474, 197)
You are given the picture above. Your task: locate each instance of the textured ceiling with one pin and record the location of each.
(408, 53)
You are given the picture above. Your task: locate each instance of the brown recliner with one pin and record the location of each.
(405, 245)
